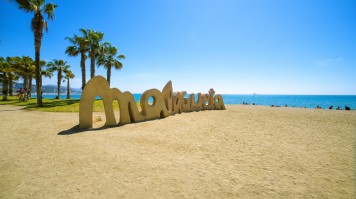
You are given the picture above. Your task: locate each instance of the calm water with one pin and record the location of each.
(309, 101)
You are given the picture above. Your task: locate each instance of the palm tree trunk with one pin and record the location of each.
(92, 64)
(38, 79)
(68, 89)
(108, 75)
(82, 65)
(5, 88)
(38, 25)
(25, 82)
(11, 85)
(30, 86)
(59, 84)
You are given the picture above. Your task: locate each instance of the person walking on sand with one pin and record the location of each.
(21, 94)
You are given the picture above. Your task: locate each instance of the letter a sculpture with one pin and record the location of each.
(164, 104)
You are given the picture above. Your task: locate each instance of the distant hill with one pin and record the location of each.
(47, 88)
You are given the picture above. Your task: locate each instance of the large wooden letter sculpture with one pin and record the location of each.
(164, 103)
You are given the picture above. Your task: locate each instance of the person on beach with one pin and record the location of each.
(21, 94)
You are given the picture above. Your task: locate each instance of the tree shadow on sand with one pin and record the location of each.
(52, 103)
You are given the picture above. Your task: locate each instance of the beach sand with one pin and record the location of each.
(242, 152)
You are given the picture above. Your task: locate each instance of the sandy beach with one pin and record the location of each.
(242, 152)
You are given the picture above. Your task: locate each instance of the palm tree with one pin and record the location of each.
(79, 46)
(107, 57)
(94, 38)
(12, 78)
(61, 67)
(25, 67)
(11, 74)
(47, 73)
(69, 75)
(37, 25)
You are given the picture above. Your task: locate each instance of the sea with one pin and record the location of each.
(303, 101)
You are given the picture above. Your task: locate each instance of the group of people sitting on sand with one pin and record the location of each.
(338, 108)
(245, 103)
(317, 107)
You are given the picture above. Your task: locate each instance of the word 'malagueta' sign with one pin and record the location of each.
(164, 104)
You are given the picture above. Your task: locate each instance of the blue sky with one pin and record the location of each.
(233, 46)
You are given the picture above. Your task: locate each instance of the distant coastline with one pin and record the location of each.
(48, 89)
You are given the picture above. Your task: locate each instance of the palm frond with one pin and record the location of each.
(107, 56)
(112, 50)
(72, 51)
(49, 10)
(66, 67)
(47, 73)
(24, 5)
(106, 44)
(71, 40)
(121, 57)
(101, 60)
(60, 62)
(39, 2)
(43, 63)
(50, 64)
(69, 74)
(117, 65)
(83, 31)
(35, 6)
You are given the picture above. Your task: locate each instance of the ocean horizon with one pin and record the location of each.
(303, 101)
